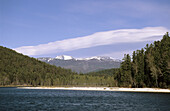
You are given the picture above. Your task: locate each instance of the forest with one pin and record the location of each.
(148, 67)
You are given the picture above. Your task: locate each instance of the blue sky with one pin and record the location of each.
(82, 28)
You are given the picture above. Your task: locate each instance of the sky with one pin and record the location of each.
(82, 28)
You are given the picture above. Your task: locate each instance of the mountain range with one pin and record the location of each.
(83, 65)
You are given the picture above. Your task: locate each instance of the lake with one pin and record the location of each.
(70, 100)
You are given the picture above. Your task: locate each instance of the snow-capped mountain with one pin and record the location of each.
(99, 58)
(64, 57)
(83, 65)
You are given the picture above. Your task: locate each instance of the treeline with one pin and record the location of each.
(105, 72)
(148, 67)
(18, 69)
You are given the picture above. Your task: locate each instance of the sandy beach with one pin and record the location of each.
(157, 90)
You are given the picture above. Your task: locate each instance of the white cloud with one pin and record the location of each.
(96, 39)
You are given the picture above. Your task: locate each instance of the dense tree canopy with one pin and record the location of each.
(149, 67)
(17, 69)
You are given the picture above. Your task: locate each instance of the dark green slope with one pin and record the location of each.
(17, 69)
(105, 72)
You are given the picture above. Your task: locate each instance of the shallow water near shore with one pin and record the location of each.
(73, 100)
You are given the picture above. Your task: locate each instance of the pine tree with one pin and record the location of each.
(126, 78)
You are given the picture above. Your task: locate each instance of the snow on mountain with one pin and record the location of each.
(64, 57)
(50, 59)
(99, 58)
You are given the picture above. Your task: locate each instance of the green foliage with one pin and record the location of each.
(17, 69)
(149, 67)
(126, 77)
(106, 72)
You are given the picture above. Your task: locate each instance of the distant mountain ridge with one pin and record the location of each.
(66, 57)
(83, 65)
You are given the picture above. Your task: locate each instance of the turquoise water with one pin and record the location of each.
(13, 99)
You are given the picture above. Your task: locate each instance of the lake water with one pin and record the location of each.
(12, 99)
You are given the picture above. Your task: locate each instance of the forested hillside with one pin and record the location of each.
(17, 69)
(106, 72)
(148, 67)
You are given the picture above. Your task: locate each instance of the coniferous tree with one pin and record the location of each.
(126, 78)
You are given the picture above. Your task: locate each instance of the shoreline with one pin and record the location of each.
(119, 89)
